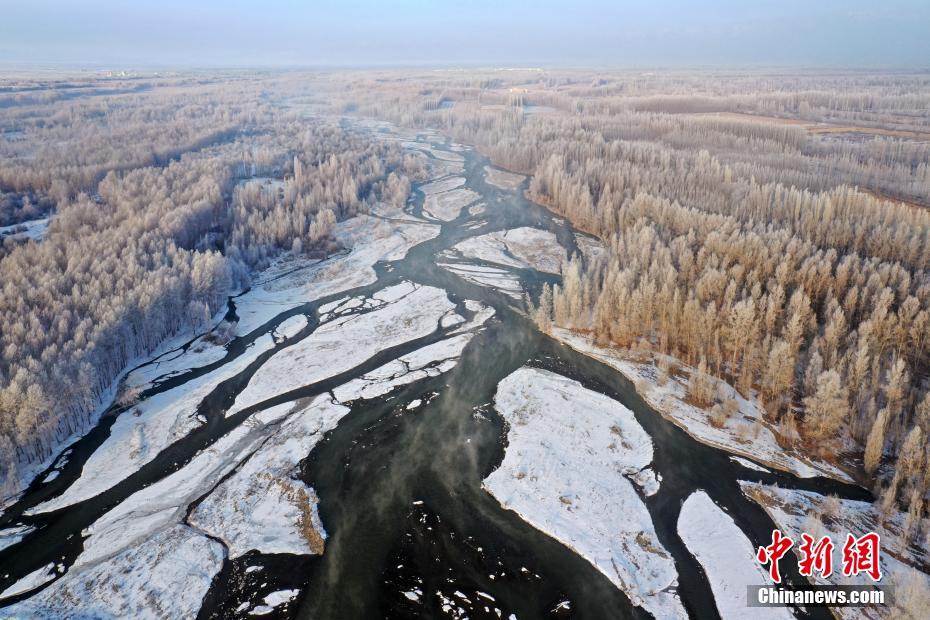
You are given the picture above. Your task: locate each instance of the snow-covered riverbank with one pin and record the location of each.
(294, 281)
(139, 434)
(244, 483)
(903, 564)
(143, 541)
(746, 433)
(165, 576)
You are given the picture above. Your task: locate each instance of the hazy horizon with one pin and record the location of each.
(283, 33)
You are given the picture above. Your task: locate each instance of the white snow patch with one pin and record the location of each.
(269, 184)
(438, 154)
(482, 313)
(451, 319)
(165, 576)
(442, 185)
(395, 293)
(563, 472)
(262, 506)
(291, 326)
(12, 535)
(502, 178)
(346, 303)
(36, 230)
(748, 464)
(446, 156)
(273, 600)
(429, 361)
(523, 248)
(33, 580)
(498, 279)
(447, 206)
(727, 556)
(271, 414)
(201, 352)
(396, 213)
(278, 288)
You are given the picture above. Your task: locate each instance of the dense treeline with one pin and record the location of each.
(329, 180)
(138, 252)
(835, 344)
(749, 235)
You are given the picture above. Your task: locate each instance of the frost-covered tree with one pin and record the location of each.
(826, 407)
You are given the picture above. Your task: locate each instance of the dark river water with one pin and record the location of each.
(400, 491)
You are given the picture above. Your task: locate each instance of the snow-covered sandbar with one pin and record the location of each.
(409, 311)
(500, 280)
(523, 248)
(503, 179)
(166, 576)
(565, 471)
(727, 556)
(263, 506)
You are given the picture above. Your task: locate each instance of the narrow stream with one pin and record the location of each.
(400, 490)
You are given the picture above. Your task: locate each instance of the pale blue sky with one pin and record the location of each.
(478, 32)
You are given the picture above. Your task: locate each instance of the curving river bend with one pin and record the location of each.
(400, 491)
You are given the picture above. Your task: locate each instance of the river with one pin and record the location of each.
(400, 492)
